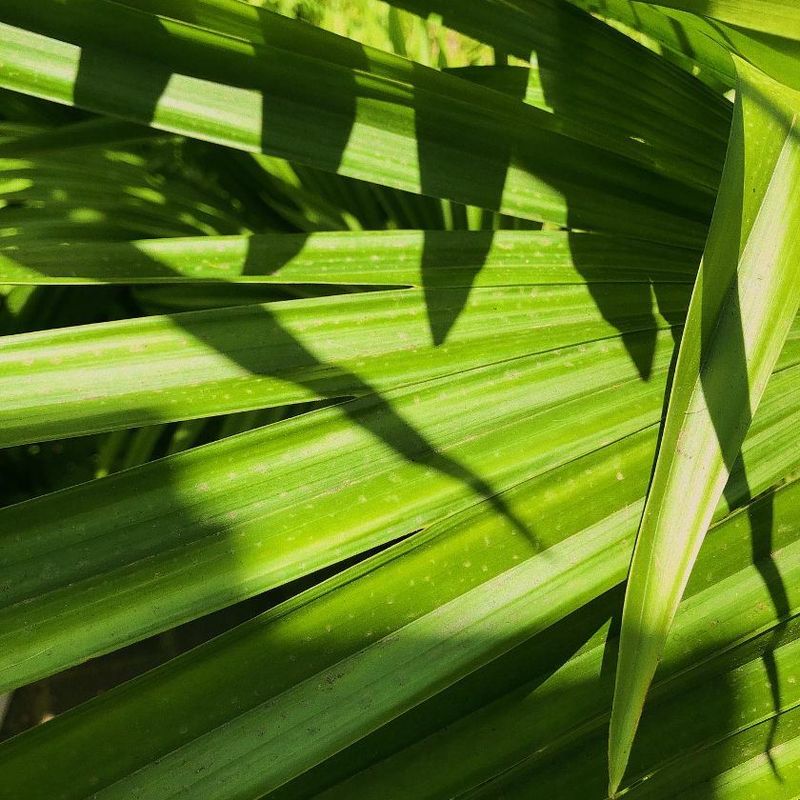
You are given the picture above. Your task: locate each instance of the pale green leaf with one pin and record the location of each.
(746, 296)
(301, 649)
(320, 100)
(779, 17)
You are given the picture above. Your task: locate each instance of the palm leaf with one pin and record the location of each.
(745, 298)
(391, 124)
(309, 349)
(777, 17)
(255, 274)
(264, 675)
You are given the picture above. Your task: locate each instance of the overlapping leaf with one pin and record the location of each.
(251, 669)
(515, 459)
(324, 101)
(537, 291)
(746, 296)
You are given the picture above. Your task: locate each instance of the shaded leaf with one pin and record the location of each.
(746, 296)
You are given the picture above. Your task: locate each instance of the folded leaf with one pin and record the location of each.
(683, 34)
(746, 296)
(776, 52)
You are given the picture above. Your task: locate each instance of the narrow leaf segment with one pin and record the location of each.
(742, 307)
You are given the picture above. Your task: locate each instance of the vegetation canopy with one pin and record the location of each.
(399, 401)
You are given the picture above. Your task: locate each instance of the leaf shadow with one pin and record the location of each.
(371, 412)
(737, 396)
(96, 66)
(386, 424)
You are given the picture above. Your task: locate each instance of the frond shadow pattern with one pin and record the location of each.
(375, 414)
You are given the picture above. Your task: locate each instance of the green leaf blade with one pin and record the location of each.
(357, 112)
(740, 314)
(778, 17)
